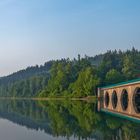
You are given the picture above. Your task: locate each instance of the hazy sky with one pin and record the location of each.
(35, 31)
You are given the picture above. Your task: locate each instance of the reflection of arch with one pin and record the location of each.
(136, 100)
(106, 99)
(124, 99)
(114, 99)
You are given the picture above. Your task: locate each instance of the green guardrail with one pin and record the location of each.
(122, 83)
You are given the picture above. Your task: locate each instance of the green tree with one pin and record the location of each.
(128, 67)
(85, 84)
(113, 76)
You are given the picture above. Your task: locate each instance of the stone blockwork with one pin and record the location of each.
(130, 88)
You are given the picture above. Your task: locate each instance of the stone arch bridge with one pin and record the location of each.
(122, 98)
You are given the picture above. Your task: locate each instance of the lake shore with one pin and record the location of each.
(88, 98)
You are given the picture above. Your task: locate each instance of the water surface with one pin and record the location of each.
(61, 120)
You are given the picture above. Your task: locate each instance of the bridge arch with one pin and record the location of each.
(124, 99)
(114, 99)
(107, 99)
(136, 100)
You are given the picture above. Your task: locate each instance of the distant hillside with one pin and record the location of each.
(40, 70)
(27, 73)
(29, 82)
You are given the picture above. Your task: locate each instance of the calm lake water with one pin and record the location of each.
(61, 120)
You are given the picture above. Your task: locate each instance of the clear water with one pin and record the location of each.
(61, 120)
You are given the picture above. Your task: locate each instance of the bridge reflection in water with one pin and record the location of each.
(122, 99)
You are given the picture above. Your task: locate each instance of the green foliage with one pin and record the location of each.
(73, 78)
(86, 83)
(61, 76)
(25, 88)
(128, 67)
(64, 74)
(125, 64)
(113, 76)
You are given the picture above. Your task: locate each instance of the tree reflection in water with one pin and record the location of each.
(68, 118)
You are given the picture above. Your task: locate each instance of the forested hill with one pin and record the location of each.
(27, 82)
(41, 70)
(26, 73)
(72, 78)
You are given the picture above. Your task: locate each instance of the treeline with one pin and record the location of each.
(27, 73)
(73, 78)
(25, 88)
(76, 78)
(27, 82)
(81, 77)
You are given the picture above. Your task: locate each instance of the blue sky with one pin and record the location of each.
(35, 31)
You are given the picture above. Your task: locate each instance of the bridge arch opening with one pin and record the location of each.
(106, 99)
(124, 99)
(114, 99)
(136, 100)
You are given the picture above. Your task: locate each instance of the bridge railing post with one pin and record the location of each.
(99, 93)
(99, 96)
